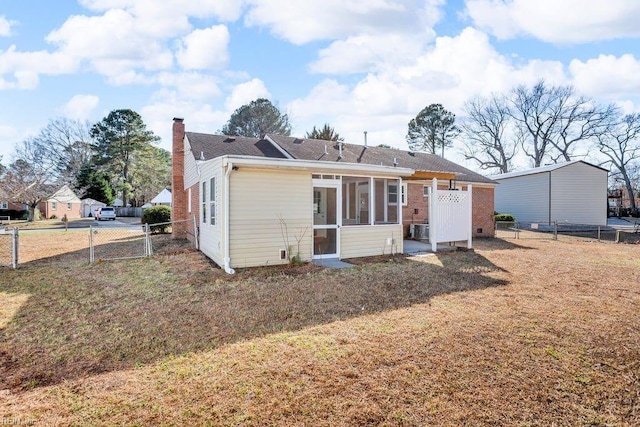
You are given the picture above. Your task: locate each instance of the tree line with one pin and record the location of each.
(545, 124)
(116, 156)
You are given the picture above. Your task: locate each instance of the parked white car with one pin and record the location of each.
(107, 213)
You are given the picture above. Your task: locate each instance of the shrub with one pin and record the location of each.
(54, 216)
(157, 215)
(505, 217)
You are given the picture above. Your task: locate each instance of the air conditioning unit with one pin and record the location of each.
(419, 231)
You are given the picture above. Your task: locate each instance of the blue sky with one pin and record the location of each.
(357, 64)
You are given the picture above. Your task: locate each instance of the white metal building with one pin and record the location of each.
(573, 192)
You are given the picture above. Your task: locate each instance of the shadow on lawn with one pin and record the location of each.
(118, 315)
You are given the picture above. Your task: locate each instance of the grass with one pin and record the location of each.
(516, 333)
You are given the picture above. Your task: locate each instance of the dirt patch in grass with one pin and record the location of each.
(514, 333)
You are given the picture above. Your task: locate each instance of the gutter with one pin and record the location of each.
(227, 258)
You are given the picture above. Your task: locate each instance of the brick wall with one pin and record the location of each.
(483, 208)
(179, 195)
(417, 209)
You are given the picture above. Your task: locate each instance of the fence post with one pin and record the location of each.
(14, 257)
(598, 233)
(148, 240)
(555, 230)
(91, 253)
(517, 230)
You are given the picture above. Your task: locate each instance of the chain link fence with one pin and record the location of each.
(136, 241)
(553, 231)
(8, 247)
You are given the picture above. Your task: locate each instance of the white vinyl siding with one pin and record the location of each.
(358, 241)
(212, 236)
(525, 197)
(575, 193)
(579, 194)
(190, 166)
(258, 200)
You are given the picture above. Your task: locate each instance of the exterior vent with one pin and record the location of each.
(229, 139)
(202, 155)
(298, 141)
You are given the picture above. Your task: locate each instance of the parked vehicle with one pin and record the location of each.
(106, 212)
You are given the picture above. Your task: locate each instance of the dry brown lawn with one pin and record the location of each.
(528, 332)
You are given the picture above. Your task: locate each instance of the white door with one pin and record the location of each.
(325, 221)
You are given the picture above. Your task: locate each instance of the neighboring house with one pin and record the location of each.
(262, 201)
(9, 208)
(163, 198)
(62, 202)
(573, 192)
(89, 207)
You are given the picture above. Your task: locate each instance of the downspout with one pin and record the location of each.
(227, 258)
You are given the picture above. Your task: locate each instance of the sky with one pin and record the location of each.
(359, 65)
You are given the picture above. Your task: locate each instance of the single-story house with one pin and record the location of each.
(163, 198)
(572, 192)
(265, 200)
(9, 208)
(90, 206)
(62, 202)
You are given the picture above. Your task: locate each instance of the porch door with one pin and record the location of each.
(325, 221)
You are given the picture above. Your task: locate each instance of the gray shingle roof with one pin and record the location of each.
(210, 146)
(314, 149)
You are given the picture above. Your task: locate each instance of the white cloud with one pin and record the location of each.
(5, 26)
(204, 49)
(167, 10)
(363, 53)
(80, 107)
(113, 43)
(607, 76)
(303, 22)
(450, 72)
(567, 21)
(190, 86)
(246, 92)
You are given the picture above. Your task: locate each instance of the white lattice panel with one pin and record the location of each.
(452, 197)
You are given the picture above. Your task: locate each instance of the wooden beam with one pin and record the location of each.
(429, 175)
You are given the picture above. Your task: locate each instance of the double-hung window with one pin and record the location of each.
(212, 201)
(204, 202)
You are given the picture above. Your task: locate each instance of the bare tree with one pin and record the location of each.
(551, 121)
(65, 145)
(29, 178)
(581, 119)
(486, 133)
(536, 112)
(621, 145)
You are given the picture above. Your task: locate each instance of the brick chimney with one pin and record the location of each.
(179, 196)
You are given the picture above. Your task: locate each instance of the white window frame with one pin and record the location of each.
(212, 201)
(393, 183)
(404, 193)
(69, 206)
(425, 190)
(203, 196)
(54, 206)
(4, 205)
